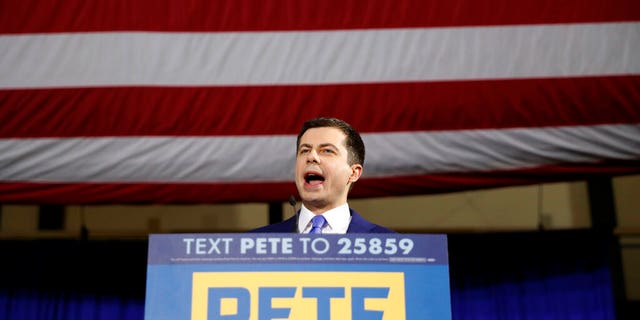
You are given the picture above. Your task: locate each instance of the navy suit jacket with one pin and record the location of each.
(358, 224)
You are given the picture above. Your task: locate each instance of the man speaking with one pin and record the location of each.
(329, 160)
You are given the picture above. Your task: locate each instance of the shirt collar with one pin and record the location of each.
(338, 220)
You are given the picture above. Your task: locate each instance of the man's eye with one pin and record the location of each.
(303, 151)
(328, 151)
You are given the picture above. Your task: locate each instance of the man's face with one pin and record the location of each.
(323, 174)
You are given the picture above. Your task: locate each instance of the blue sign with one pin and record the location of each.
(295, 276)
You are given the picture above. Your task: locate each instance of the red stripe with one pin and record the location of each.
(40, 16)
(132, 193)
(103, 193)
(453, 182)
(426, 106)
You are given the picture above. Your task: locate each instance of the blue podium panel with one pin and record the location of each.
(294, 276)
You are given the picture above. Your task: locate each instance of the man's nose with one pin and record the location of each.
(312, 156)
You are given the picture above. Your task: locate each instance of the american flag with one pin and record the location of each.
(199, 101)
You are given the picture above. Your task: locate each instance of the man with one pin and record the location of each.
(329, 160)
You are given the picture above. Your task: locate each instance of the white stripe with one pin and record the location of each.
(271, 158)
(318, 57)
(487, 150)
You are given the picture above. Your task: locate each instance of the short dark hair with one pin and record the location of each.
(353, 141)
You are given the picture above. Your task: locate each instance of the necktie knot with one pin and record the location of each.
(317, 223)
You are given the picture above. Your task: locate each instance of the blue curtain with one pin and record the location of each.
(68, 279)
(39, 304)
(537, 275)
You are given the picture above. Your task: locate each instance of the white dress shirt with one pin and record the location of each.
(338, 220)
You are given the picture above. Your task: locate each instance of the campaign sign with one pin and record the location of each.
(297, 276)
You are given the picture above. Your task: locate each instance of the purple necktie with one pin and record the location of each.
(317, 223)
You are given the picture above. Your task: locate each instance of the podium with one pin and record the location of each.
(297, 276)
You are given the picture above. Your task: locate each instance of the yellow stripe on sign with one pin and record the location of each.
(245, 288)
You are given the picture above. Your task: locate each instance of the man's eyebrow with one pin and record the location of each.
(322, 145)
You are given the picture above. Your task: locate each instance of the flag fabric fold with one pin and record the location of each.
(200, 101)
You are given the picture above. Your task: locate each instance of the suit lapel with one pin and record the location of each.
(359, 224)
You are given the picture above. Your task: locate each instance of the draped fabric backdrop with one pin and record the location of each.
(172, 101)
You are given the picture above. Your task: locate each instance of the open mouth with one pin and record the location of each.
(313, 178)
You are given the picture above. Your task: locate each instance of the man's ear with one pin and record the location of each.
(356, 172)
